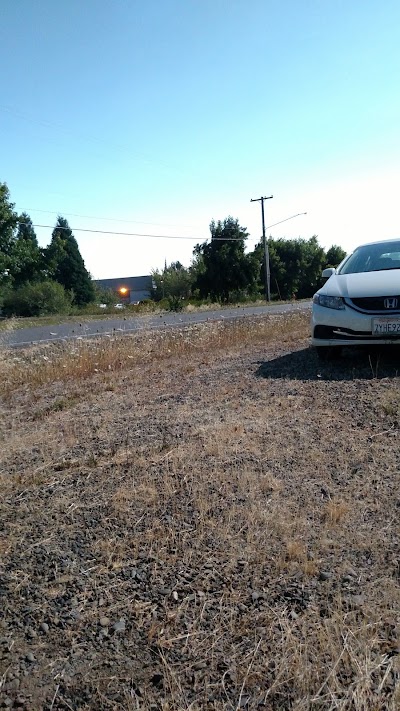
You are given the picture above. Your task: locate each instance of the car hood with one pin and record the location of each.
(353, 286)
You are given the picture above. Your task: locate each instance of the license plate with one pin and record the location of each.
(383, 326)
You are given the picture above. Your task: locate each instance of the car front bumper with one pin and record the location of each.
(347, 327)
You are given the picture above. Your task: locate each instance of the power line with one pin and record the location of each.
(111, 232)
(95, 217)
(285, 220)
(135, 222)
(142, 234)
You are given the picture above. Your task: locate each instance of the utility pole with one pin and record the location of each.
(267, 276)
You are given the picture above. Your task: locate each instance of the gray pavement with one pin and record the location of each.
(129, 324)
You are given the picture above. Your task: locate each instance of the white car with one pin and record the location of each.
(360, 302)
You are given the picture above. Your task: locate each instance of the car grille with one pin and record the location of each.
(375, 303)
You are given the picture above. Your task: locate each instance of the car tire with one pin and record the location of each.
(328, 353)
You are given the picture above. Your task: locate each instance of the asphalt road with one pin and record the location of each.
(130, 324)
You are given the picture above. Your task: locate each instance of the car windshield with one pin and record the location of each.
(373, 258)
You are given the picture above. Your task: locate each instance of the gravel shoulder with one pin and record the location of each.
(206, 529)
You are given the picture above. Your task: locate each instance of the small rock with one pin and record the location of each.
(7, 703)
(44, 627)
(351, 571)
(347, 579)
(293, 615)
(30, 657)
(200, 593)
(119, 626)
(255, 595)
(175, 595)
(104, 621)
(13, 685)
(31, 633)
(325, 575)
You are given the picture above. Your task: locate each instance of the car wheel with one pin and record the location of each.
(328, 353)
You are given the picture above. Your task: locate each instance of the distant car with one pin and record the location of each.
(360, 302)
(119, 306)
(102, 306)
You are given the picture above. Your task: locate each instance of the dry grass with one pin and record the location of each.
(81, 359)
(235, 505)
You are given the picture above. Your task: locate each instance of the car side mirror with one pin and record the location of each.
(328, 272)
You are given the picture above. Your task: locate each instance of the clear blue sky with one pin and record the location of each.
(168, 113)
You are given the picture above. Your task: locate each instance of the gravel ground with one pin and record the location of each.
(213, 531)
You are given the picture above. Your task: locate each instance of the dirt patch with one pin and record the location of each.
(204, 529)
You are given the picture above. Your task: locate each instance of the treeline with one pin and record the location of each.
(222, 270)
(35, 280)
(38, 280)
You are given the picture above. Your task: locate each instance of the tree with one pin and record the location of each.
(223, 270)
(174, 281)
(8, 225)
(65, 264)
(295, 265)
(28, 258)
(334, 256)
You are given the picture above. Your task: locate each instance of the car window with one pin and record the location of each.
(372, 257)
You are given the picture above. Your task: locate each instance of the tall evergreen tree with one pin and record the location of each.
(8, 225)
(65, 264)
(28, 256)
(26, 230)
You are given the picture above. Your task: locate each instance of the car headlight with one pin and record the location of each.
(330, 302)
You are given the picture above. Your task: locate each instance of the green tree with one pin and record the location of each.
(334, 256)
(8, 226)
(223, 270)
(65, 264)
(174, 281)
(295, 266)
(28, 257)
(45, 297)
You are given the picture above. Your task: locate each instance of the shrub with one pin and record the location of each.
(41, 298)
(175, 303)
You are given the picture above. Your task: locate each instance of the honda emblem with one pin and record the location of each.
(390, 303)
